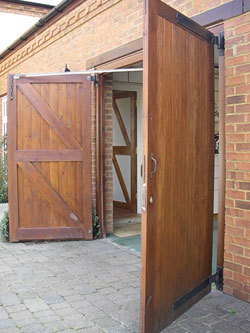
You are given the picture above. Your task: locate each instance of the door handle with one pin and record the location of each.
(155, 165)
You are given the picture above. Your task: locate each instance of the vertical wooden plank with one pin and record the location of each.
(36, 145)
(87, 162)
(63, 166)
(54, 145)
(79, 137)
(12, 167)
(20, 176)
(45, 166)
(71, 125)
(27, 111)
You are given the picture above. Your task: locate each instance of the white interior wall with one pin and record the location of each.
(129, 82)
(118, 140)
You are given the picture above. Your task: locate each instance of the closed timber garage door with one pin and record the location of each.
(49, 148)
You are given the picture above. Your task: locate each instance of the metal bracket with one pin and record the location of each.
(11, 88)
(94, 78)
(194, 27)
(220, 42)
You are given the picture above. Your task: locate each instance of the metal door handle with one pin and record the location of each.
(155, 167)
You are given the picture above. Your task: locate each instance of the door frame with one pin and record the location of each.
(128, 150)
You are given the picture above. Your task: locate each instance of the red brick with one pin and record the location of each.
(242, 89)
(242, 30)
(234, 231)
(235, 80)
(243, 127)
(235, 194)
(230, 147)
(234, 41)
(242, 108)
(234, 61)
(237, 118)
(235, 99)
(244, 186)
(228, 256)
(235, 138)
(243, 147)
(243, 49)
(233, 284)
(242, 204)
(227, 273)
(241, 277)
(239, 294)
(247, 271)
(234, 249)
(242, 223)
(243, 166)
(235, 157)
(242, 260)
(230, 109)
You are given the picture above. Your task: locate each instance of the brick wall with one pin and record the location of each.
(21, 9)
(237, 237)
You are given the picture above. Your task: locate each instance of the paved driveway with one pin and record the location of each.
(91, 287)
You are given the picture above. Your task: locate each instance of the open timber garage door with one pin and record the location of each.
(178, 165)
(49, 152)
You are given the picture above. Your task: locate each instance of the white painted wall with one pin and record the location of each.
(129, 82)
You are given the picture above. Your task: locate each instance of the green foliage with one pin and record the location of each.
(233, 312)
(4, 225)
(96, 225)
(3, 172)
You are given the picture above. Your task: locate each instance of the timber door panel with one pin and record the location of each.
(50, 158)
(125, 151)
(178, 165)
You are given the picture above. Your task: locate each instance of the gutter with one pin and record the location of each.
(37, 26)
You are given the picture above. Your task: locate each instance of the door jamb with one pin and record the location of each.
(221, 211)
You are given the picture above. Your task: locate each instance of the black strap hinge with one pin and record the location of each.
(220, 42)
(217, 278)
(94, 78)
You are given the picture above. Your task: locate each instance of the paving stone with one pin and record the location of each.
(11, 330)
(107, 322)
(34, 328)
(3, 314)
(21, 315)
(78, 321)
(9, 299)
(7, 323)
(36, 304)
(194, 326)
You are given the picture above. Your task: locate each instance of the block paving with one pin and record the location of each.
(82, 286)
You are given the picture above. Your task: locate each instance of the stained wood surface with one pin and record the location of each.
(129, 149)
(179, 130)
(50, 159)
